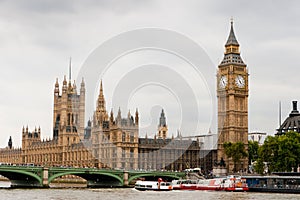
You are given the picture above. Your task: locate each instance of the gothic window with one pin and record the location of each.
(241, 120)
(131, 137)
(123, 153)
(241, 105)
(114, 136)
(69, 118)
(131, 152)
(123, 137)
(72, 119)
(114, 153)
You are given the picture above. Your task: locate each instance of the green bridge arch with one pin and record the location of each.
(6, 172)
(83, 173)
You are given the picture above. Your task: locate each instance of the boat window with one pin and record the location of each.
(149, 186)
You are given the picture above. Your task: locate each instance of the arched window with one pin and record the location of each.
(123, 136)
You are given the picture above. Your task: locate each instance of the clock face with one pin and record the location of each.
(223, 82)
(240, 81)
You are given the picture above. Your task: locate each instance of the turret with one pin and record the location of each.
(64, 87)
(128, 115)
(10, 143)
(119, 118)
(162, 126)
(56, 88)
(82, 109)
(101, 114)
(136, 117)
(111, 119)
(74, 88)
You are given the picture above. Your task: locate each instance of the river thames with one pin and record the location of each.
(128, 193)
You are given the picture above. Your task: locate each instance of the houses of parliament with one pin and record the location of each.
(110, 140)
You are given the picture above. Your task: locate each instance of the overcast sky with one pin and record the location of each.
(38, 37)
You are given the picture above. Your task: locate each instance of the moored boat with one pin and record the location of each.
(153, 185)
(210, 184)
(176, 184)
(235, 184)
(231, 183)
(187, 185)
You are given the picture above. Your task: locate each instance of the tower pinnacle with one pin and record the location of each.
(70, 72)
(101, 89)
(232, 49)
(162, 127)
(231, 39)
(162, 119)
(101, 110)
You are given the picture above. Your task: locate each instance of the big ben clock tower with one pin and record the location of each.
(232, 94)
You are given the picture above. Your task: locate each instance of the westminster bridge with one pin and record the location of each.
(33, 176)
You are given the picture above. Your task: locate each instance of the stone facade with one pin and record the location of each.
(112, 141)
(106, 142)
(168, 154)
(232, 95)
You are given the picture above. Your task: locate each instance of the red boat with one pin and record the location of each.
(231, 183)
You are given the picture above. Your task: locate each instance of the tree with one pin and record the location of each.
(236, 151)
(252, 151)
(259, 166)
(281, 152)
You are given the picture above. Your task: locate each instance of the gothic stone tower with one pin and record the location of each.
(162, 127)
(232, 94)
(114, 140)
(68, 112)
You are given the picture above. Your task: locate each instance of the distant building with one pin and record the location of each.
(176, 154)
(256, 137)
(107, 141)
(292, 122)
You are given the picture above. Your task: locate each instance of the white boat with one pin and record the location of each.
(153, 185)
(177, 184)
